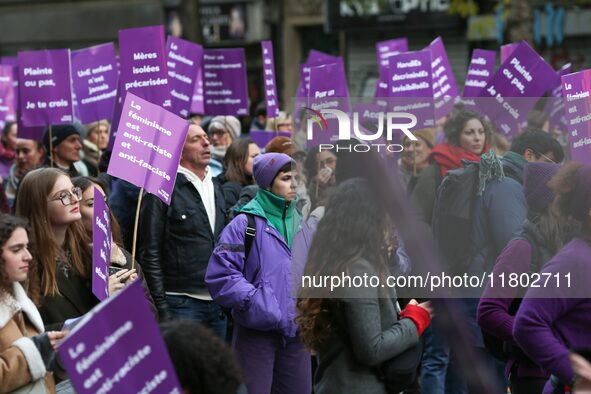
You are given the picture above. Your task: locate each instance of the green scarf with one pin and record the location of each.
(280, 214)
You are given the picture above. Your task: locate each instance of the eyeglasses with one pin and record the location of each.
(546, 158)
(218, 132)
(66, 197)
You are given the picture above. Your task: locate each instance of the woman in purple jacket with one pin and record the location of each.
(554, 318)
(256, 285)
(540, 239)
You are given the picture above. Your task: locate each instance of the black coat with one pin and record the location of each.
(75, 299)
(176, 241)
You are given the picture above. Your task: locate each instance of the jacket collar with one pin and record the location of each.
(17, 302)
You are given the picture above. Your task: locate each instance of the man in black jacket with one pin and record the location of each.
(176, 241)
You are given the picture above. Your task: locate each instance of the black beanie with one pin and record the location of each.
(59, 133)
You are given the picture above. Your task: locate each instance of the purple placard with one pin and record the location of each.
(480, 70)
(184, 61)
(410, 76)
(262, 137)
(507, 50)
(197, 105)
(269, 78)
(523, 75)
(142, 66)
(386, 49)
(315, 58)
(445, 88)
(45, 92)
(555, 105)
(94, 76)
(101, 246)
(117, 348)
(9, 60)
(224, 82)
(328, 90)
(8, 96)
(148, 149)
(577, 102)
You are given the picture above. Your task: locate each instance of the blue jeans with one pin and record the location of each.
(437, 372)
(206, 312)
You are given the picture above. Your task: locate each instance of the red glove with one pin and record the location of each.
(419, 316)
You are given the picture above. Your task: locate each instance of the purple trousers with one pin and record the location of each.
(272, 363)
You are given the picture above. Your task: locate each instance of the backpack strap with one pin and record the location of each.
(249, 234)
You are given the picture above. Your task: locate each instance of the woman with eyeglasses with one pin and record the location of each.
(62, 288)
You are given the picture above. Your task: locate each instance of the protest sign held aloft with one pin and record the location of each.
(148, 150)
(224, 82)
(184, 61)
(101, 246)
(45, 92)
(95, 77)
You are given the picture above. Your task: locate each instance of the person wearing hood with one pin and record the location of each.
(222, 131)
(255, 284)
(542, 236)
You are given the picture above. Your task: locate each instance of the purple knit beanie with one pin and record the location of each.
(266, 167)
(535, 184)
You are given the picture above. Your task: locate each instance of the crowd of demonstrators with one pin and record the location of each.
(176, 241)
(550, 322)
(242, 224)
(468, 138)
(248, 273)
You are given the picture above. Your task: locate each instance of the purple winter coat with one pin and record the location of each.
(550, 321)
(493, 310)
(264, 302)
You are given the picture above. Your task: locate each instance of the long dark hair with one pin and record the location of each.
(234, 161)
(352, 228)
(455, 124)
(8, 224)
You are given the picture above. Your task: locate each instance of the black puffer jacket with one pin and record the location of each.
(176, 241)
